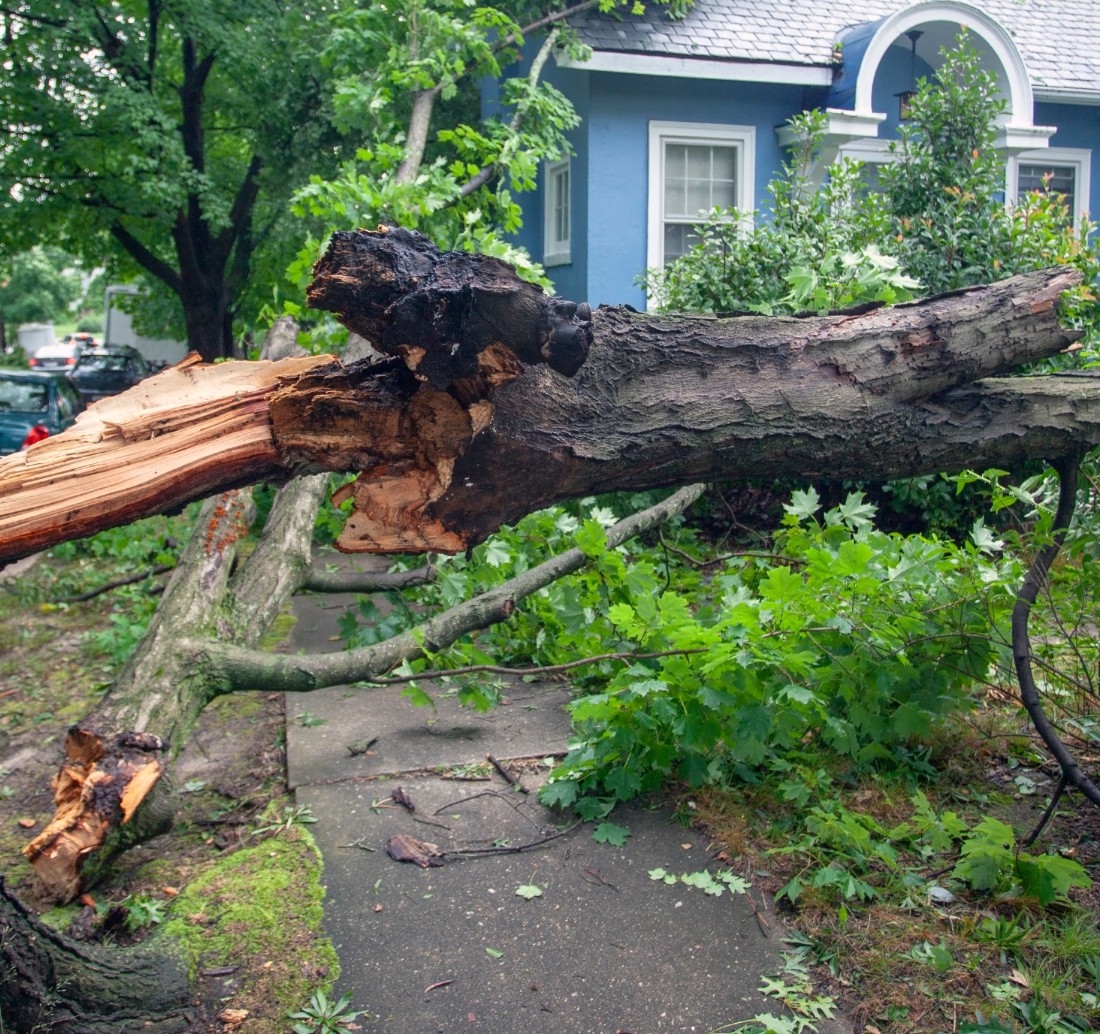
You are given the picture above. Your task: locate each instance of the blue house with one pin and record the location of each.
(680, 116)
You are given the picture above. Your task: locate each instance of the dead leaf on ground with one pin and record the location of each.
(403, 848)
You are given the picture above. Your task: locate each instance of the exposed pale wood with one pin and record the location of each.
(185, 433)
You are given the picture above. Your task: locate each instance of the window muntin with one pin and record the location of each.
(1060, 170)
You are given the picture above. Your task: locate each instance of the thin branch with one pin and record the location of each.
(236, 667)
(118, 583)
(319, 580)
(486, 174)
(512, 850)
(1034, 580)
(543, 670)
(1047, 815)
(551, 19)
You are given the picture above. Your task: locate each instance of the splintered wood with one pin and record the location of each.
(101, 784)
(180, 435)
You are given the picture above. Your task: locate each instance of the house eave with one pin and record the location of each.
(702, 68)
(1067, 95)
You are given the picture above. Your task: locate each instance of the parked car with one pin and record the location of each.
(108, 370)
(33, 406)
(61, 356)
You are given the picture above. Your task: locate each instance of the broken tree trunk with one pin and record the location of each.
(494, 400)
(49, 982)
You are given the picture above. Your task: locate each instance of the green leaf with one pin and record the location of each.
(529, 891)
(560, 793)
(591, 540)
(804, 503)
(610, 833)
(416, 696)
(494, 954)
(1048, 877)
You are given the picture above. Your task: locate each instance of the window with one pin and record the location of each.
(1061, 170)
(694, 167)
(556, 215)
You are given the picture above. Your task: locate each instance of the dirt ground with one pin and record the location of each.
(231, 778)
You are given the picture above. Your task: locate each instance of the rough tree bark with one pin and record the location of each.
(495, 400)
(48, 982)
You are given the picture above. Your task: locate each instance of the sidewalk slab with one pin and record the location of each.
(331, 728)
(604, 949)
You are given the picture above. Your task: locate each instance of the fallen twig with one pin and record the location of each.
(118, 583)
(505, 771)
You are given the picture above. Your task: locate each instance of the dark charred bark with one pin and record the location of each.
(48, 982)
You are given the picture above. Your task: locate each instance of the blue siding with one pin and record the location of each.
(620, 108)
(609, 178)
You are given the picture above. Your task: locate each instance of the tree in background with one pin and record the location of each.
(40, 286)
(164, 140)
(407, 77)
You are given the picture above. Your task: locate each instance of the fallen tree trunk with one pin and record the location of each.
(49, 982)
(495, 400)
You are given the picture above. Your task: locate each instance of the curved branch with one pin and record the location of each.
(551, 19)
(146, 259)
(1034, 580)
(238, 668)
(319, 580)
(487, 173)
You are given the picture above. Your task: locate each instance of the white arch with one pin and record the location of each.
(1020, 111)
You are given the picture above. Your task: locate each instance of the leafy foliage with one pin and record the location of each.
(846, 635)
(40, 286)
(938, 221)
(132, 134)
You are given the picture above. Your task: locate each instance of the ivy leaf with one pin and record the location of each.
(610, 833)
(529, 891)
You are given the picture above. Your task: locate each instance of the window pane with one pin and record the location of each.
(680, 238)
(1055, 179)
(699, 177)
(561, 206)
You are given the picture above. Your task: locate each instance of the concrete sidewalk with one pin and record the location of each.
(604, 949)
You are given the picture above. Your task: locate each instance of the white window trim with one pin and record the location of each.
(1078, 157)
(660, 133)
(555, 253)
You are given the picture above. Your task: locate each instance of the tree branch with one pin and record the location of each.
(541, 23)
(238, 667)
(1034, 580)
(488, 172)
(145, 258)
(319, 580)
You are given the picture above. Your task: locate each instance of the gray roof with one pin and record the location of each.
(1059, 40)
